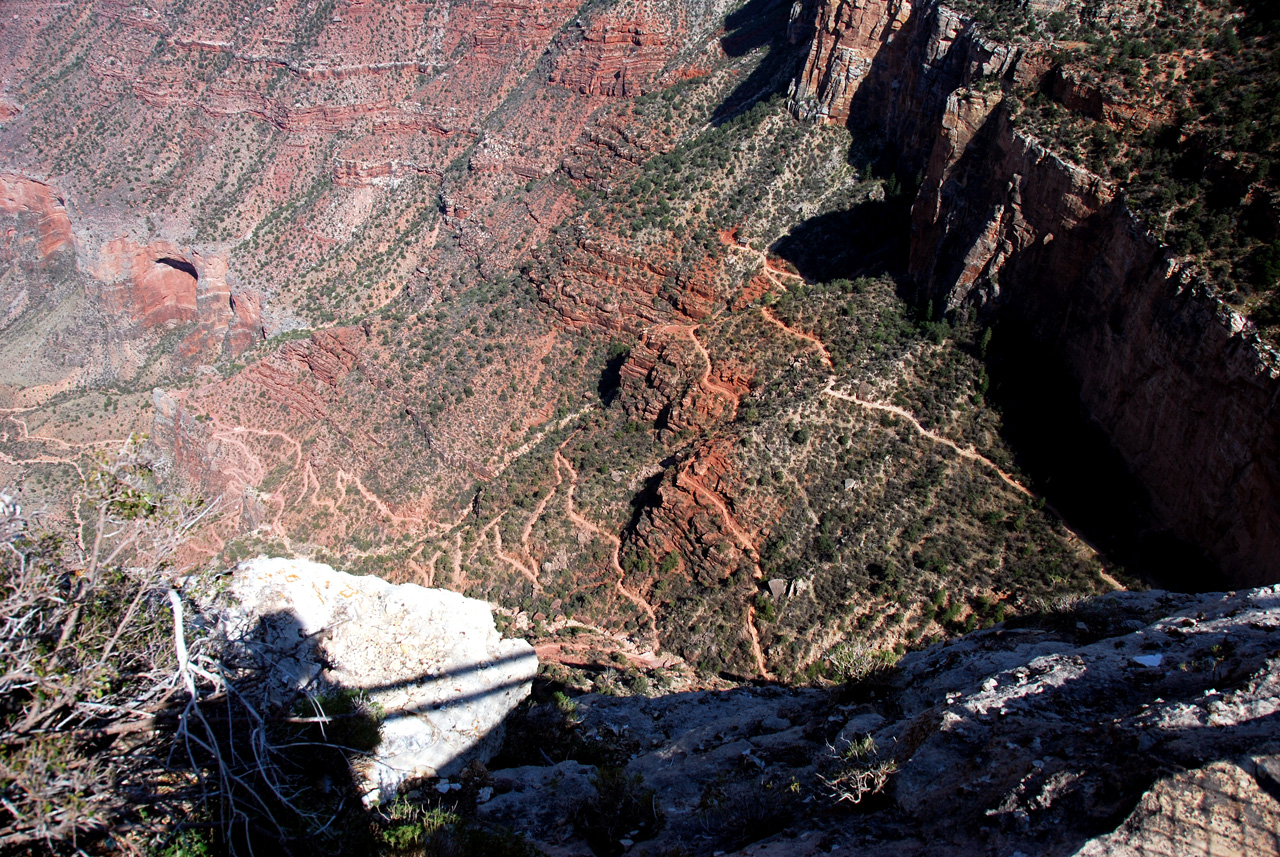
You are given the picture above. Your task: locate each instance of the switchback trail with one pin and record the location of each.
(964, 452)
(800, 334)
(515, 562)
(748, 546)
(730, 240)
(704, 379)
(615, 545)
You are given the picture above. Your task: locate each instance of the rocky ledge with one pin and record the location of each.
(430, 661)
(1134, 724)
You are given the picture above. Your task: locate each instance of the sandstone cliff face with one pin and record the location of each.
(78, 313)
(1183, 388)
(619, 53)
(160, 284)
(21, 196)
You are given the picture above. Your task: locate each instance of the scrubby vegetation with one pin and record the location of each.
(1178, 103)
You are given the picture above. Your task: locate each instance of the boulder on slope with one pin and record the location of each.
(430, 660)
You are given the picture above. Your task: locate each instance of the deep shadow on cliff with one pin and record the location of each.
(1075, 466)
(1076, 729)
(868, 240)
(1182, 388)
(1056, 440)
(756, 24)
(1179, 466)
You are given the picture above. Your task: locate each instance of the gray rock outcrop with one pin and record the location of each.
(430, 660)
(1139, 723)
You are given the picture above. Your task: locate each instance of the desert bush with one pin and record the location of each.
(122, 717)
(856, 662)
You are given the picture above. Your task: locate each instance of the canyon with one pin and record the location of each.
(1180, 383)
(702, 339)
(422, 197)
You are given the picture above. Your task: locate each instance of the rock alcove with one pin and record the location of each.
(168, 291)
(179, 265)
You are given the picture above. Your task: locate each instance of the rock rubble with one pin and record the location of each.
(1133, 724)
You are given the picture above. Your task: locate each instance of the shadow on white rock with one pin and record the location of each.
(432, 661)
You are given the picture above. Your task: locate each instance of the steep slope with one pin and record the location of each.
(557, 306)
(1138, 723)
(1181, 384)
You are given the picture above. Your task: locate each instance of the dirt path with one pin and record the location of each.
(297, 459)
(533, 520)
(455, 558)
(1111, 581)
(800, 334)
(754, 636)
(344, 478)
(311, 481)
(731, 523)
(749, 548)
(963, 451)
(705, 380)
(429, 570)
(973, 455)
(577, 654)
(772, 273)
(529, 444)
(513, 561)
(69, 446)
(615, 544)
(57, 441)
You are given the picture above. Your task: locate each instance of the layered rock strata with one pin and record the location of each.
(161, 284)
(1180, 383)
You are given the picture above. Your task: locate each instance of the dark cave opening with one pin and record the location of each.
(180, 265)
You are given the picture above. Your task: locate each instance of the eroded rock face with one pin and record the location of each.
(1180, 383)
(80, 312)
(20, 195)
(1032, 733)
(1137, 724)
(431, 659)
(162, 284)
(1226, 808)
(153, 283)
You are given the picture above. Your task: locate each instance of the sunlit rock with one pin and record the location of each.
(431, 660)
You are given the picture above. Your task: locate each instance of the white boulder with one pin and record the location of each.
(432, 660)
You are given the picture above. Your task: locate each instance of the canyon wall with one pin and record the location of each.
(79, 311)
(1181, 384)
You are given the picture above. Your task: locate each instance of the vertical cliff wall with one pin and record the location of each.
(1180, 383)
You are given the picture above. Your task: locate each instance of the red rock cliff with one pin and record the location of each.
(1184, 389)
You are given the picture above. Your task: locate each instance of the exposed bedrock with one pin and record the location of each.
(1138, 724)
(38, 201)
(1182, 386)
(430, 659)
(160, 284)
